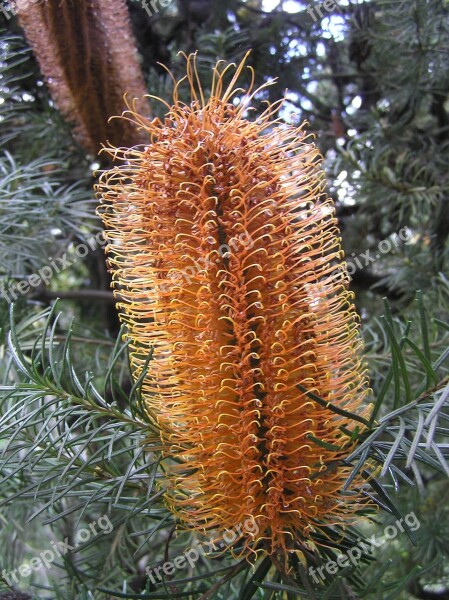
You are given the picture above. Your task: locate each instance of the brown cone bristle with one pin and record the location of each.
(226, 256)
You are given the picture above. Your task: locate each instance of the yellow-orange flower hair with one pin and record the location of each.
(226, 256)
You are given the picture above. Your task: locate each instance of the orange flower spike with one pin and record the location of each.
(226, 257)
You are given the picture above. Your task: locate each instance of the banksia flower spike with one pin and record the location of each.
(227, 263)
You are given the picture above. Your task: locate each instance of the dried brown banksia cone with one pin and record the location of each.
(226, 256)
(86, 53)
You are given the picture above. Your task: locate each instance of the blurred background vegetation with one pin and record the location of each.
(371, 79)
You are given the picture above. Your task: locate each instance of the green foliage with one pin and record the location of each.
(70, 453)
(396, 158)
(39, 216)
(44, 212)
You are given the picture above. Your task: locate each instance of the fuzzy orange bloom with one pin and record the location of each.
(226, 256)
